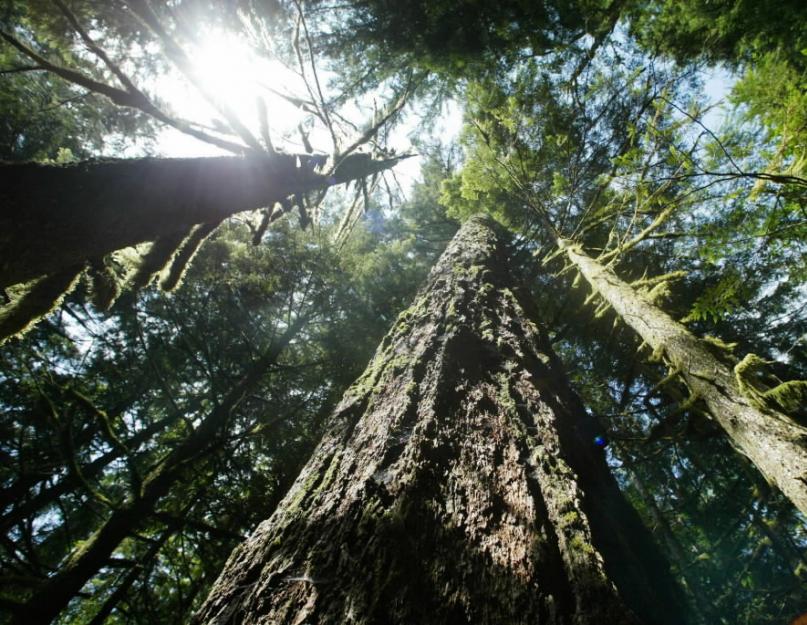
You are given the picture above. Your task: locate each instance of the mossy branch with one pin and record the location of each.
(187, 250)
(787, 396)
(68, 451)
(257, 234)
(105, 283)
(743, 374)
(655, 224)
(654, 280)
(43, 296)
(109, 432)
(158, 256)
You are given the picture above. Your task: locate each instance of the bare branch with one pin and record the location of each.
(137, 100)
(95, 48)
(178, 56)
(21, 69)
(263, 120)
(322, 106)
(368, 134)
(708, 131)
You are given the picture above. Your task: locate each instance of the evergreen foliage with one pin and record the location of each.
(584, 122)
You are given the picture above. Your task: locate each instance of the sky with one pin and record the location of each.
(718, 82)
(239, 77)
(233, 71)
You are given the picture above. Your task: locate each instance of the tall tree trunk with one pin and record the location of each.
(772, 441)
(458, 482)
(58, 216)
(54, 595)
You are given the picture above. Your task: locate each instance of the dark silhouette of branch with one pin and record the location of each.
(178, 56)
(135, 99)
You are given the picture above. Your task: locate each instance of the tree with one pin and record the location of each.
(733, 32)
(104, 206)
(458, 481)
(515, 150)
(45, 604)
(148, 384)
(63, 216)
(571, 135)
(751, 416)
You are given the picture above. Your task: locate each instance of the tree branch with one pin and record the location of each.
(178, 56)
(137, 100)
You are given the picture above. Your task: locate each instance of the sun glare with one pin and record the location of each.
(238, 76)
(230, 68)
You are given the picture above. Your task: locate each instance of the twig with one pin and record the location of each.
(323, 105)
(173, 50)
(95, 48)
(373, 129)
(136, 100)
(20, 69)
(708, 131)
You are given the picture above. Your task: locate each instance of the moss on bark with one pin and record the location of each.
(457, 483)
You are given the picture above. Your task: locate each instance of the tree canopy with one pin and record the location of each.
(180, 329)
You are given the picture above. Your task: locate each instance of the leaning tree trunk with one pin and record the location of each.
(55, 217)
(458, 482)
(772, 441)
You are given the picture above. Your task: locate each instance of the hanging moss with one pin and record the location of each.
(591, 297)
(158, 256)
(788, 396)
(187, 250)
(657, 355)
(720, 343)
(743, 373)
(603, 308)
(105, 283)
(43, 296)
(665, 277)
(720, 349)
(261, 229)
(658, 293)
(688, 404)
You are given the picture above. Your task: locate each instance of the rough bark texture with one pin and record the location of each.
(773, 442)
(458, 483)
(57, 216)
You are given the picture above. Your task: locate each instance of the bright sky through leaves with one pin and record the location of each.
(236, 73)
(239, 76)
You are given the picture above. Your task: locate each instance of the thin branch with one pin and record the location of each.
(263, 120)
(323, 106)
(173, 50)
(305, 105)
(136, 100)
(20, 69)
(707, 130)
(728, 175)
(373, 129)
(95, 48)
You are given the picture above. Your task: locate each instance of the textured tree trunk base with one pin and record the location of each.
(458, 483)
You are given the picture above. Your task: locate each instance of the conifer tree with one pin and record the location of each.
(459, 481)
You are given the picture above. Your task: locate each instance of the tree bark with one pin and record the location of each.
(54, 595)
(57, 216)
(458, 482)
(772, 441)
